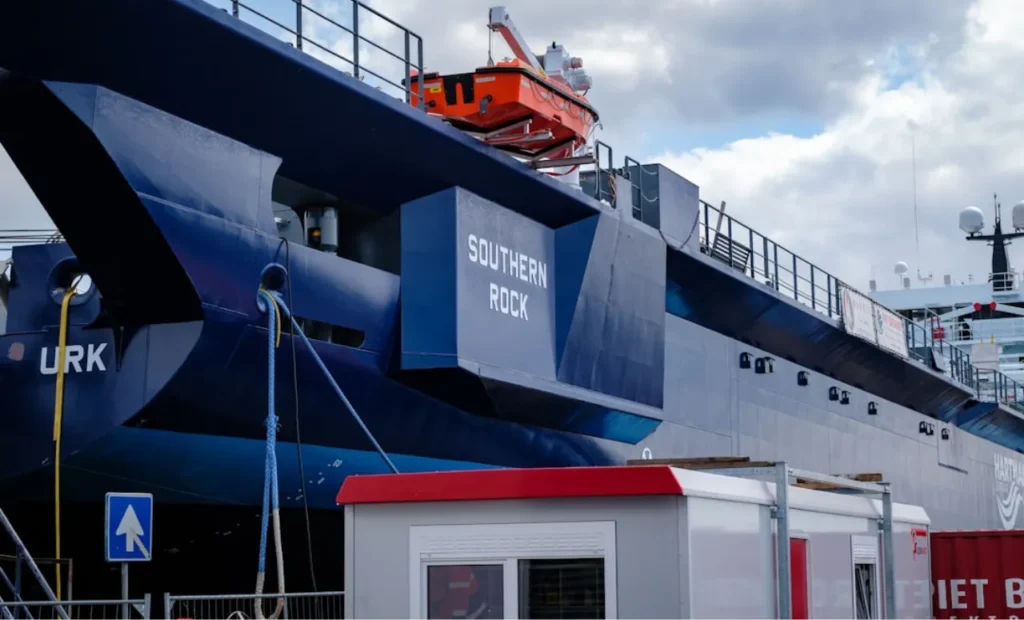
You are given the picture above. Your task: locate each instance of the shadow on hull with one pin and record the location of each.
(708, 294)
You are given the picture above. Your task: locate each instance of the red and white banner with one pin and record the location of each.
(858, 315)
(891, 331)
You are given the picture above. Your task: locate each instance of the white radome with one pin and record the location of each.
(972, 220)
(1018, 215)
(901, 268)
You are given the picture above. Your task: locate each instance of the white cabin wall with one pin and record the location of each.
(732, 558)
(646, 543)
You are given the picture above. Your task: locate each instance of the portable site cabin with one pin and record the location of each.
(633, 542)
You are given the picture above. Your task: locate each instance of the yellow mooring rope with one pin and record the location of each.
(58, 419)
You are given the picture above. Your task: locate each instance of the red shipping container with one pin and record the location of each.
(978, 574)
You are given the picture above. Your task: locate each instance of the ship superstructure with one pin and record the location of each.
(477, 311)
(982, 316)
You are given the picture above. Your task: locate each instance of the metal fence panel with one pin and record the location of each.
(312, 605)
(74, 610)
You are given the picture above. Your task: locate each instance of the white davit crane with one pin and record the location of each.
(556, 62)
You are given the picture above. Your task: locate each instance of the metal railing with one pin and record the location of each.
(14, 586)
(1009, 329)
(72, 610)
(956, 361)
(1004, 281)
(750, 252)
(333, 33)
(995, 387)
(758, 257)
(311, 605)
(999, 282)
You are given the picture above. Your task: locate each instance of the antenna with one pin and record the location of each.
(917, 229)
(913, 168)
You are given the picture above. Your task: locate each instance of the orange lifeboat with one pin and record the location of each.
(512, 107)
(530, 106)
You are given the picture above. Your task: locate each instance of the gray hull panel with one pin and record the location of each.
(715, 408)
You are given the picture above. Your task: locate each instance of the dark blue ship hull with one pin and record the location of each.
(503, 319)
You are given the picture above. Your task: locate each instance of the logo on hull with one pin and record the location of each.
(75, 355)
(1009, 487)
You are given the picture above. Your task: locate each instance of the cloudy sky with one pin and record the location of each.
(798, 113)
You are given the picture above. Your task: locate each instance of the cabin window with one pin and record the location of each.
(864, 586)
(511, 571)
(562, 588)
(466, 591)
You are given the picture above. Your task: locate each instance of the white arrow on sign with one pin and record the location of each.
(132, 531)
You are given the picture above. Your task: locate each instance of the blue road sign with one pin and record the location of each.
(129, 527)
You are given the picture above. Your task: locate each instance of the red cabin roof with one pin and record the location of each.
(489, 484)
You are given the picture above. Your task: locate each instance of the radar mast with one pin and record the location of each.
(972, 222)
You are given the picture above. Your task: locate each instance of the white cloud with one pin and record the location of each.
(19, 207)
(844, 198)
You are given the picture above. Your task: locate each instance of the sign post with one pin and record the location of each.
(128, 533)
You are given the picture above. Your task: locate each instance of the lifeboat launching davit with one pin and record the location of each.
(531, 106)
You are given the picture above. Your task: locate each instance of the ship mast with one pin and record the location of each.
(1001, 278)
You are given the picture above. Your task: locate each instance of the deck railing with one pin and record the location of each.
(336, 33)
(996, 387)
(746, 250)
(1003, 281)
(754, 254)
(970, 331)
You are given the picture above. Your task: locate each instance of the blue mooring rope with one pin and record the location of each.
(334, 384)
(270, 492)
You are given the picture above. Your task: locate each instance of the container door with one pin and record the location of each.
(798, 578)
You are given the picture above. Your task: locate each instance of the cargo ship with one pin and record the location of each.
(486, 285)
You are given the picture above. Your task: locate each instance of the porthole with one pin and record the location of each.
(68, 273)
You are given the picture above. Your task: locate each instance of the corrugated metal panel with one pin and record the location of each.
(978, 574)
